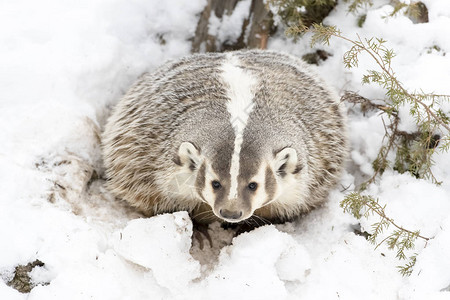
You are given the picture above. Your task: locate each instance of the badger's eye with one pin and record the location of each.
(216, 185)
(252, 186)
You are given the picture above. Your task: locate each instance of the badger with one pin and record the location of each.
(227, 136)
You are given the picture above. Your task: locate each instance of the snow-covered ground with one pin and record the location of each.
(64, 64)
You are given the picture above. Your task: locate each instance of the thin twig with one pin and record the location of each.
(380, 211)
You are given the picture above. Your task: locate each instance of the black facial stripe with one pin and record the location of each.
(200, 180)
(176, 160)
(221, 195)
(245, 195)
(221, 159)
(270, 185)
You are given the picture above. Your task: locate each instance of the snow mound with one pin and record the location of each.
(258, 265)
(431, 279)
(169, 259)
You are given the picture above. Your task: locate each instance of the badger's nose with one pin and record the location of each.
(230, 214)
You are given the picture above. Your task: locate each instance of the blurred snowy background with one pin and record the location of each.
(64, 64)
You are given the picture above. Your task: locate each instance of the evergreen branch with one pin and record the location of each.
(357, 4)
(401, 238)
(355, 201)
(407, 269)
(415, 155)
(413, 150)
(381, 162)
(374, 49)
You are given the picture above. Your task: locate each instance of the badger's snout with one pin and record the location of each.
(232, 211)
(234, 215)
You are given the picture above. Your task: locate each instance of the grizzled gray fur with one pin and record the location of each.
(227, 136)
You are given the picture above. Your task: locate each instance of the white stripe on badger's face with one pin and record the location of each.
(240, 91)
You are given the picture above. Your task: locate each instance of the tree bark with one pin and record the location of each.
(254, 33)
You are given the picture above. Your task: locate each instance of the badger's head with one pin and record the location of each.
(236, 188)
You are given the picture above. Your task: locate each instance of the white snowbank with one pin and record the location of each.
(229, 28)
(162, 245)
(258, 265)
(65, 64)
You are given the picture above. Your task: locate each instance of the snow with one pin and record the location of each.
(229, 28)
(64, 66)
(136, 243)
(430, 276)
(264, 251)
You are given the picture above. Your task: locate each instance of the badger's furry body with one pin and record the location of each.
(241, 133)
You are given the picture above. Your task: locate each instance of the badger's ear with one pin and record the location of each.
(188, 155)
(286, 162)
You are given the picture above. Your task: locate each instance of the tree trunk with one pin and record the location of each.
(254, 33)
